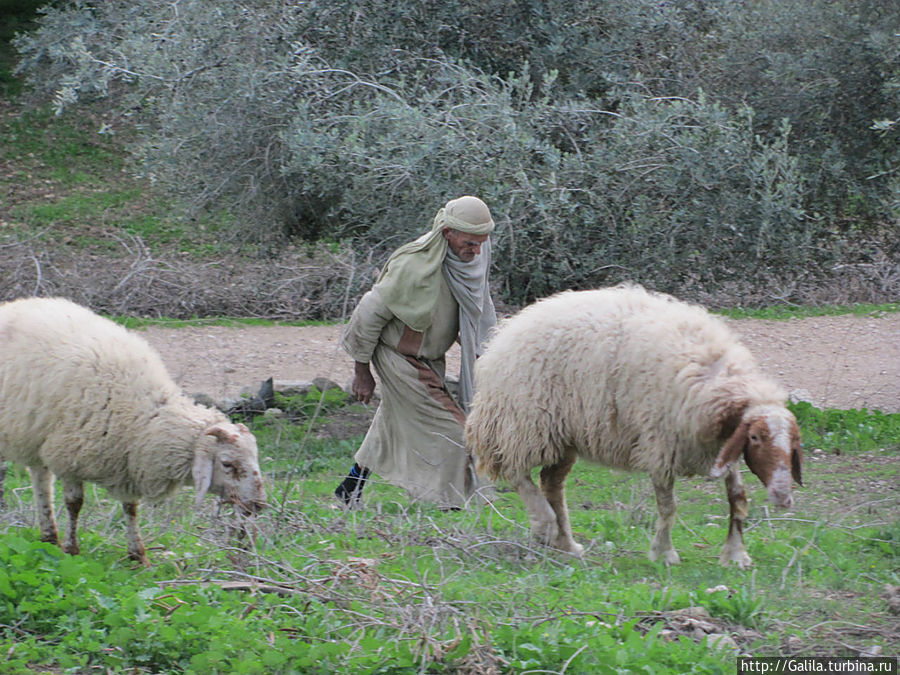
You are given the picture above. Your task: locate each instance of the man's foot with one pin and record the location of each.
(349, 493)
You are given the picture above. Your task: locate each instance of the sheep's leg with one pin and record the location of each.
(553, 486)
(665, 505)
(73, 491)
(734, 550)
(543, 519)
(42, 482)
(136, 550)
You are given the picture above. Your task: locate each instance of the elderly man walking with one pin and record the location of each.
(431, 292)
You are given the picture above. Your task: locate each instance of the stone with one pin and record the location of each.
(324, 384)
(721, 641)
(292, 387)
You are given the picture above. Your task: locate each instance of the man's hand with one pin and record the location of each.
(363, 382)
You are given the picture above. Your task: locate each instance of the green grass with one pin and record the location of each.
(76, 207)
(401, 587)
(71, 187)
(850, 430)
(66, 148)
(786, 312)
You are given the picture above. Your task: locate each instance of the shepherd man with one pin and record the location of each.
(431, 293)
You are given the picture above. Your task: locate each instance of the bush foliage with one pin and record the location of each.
(692, 146)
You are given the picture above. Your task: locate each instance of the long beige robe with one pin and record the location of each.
(416, 437)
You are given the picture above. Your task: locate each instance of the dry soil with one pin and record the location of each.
(835, 361)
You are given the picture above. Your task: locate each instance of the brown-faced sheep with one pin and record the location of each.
(633, 380)
(85, 399)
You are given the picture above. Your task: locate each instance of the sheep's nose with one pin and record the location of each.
(783, 499)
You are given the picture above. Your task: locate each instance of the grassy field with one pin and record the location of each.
(401, 587)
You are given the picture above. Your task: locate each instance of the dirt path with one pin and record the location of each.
(836, 361)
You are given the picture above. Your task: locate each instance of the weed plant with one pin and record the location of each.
(403, 587)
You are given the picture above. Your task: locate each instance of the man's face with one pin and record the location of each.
(466, 246)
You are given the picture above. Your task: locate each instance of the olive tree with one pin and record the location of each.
(614, 140)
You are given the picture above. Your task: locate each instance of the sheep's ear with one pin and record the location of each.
(222, 434)
(731, 451)
(796, 465)
(202, 473)
(796, 455)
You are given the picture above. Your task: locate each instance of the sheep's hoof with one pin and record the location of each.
(546, 534)
(571, 547)
(670, 556)
(739, 557)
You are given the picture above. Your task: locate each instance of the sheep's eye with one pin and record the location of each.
(754, 438)
(228, 464)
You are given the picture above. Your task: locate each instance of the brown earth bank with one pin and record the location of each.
(844, 361)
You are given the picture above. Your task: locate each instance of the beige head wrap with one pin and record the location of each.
(410, 280)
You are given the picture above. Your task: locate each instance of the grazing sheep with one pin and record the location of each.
(636, 381)
(86, 400)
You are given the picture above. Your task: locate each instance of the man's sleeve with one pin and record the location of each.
(364, 328)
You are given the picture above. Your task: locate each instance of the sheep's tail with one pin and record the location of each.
(488, 456)
(507, 442)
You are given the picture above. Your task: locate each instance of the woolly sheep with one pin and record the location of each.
(87, 400)
(636, 381)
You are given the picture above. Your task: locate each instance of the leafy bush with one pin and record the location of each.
(679, 194)
(826, 67)
(677, 144)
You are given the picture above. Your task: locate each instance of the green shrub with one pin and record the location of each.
(689, 147)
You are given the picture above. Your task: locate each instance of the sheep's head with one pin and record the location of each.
(769, 440)
(226, 463)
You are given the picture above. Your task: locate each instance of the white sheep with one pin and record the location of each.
(636, 381)
(85, 399)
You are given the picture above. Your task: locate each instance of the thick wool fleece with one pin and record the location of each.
(628, 378)
(93, 402)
